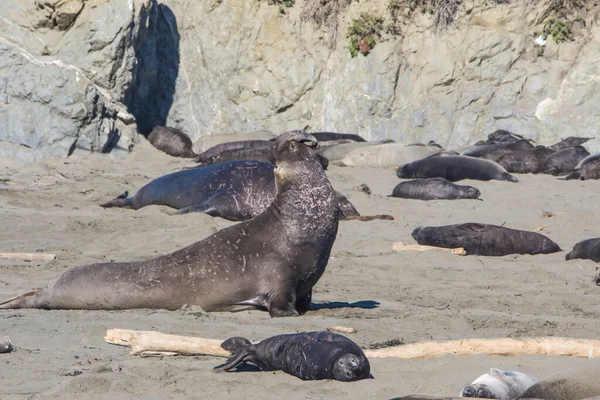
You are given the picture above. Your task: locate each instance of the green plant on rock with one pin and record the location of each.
(559, 30)
(283, 4)
(364, 33)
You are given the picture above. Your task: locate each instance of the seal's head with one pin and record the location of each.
(350, 367)
(294, 146)
(480, 391)
(472, 193)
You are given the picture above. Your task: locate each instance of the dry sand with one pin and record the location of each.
(52, 206)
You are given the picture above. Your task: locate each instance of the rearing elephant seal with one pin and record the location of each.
(308, 356)
(269, 262)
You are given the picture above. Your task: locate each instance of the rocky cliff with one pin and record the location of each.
(86, 75)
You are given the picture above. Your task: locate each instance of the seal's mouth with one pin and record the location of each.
(312, 143)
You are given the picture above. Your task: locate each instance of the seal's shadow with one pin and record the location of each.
(329, 305)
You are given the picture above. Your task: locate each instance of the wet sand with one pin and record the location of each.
(52, 206)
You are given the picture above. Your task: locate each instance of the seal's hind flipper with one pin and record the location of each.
(238, 346)
(25, 300)
(232, 362)
(120, 201)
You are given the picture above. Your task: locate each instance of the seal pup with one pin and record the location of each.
(588, 168)
(563, 161)
(308, 356)
(455, 168)
(270, 262)
(327, 136)
(571, 141)
(236, 190)
(172, 141)
(434, 189)
(499, 384)
(588, 249)
(485, 240)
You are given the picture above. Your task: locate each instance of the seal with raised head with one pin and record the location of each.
(571, 141)
(434, 189)
(270, 262)
(455, 168)
(172, 141)
(235, 190)
(499, 384)
(563, 161)
(308, 356)
(485, 240)
(588, 249)
(588, 168)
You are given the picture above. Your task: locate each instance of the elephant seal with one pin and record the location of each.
(563, 161)
(205, 142)
(387, 155)
(577, 386)
(270, 262)
(493, 151)
(232, 146)
(499, 384)
(502, 135)
(338, 149)
(308, 356)
(327, 136)
(588, 249)
(572, 141)
(235, 190)
(434, 189)
(171, 141)
(525, 161)
(588, 168)
(455, 168)
(485, 240)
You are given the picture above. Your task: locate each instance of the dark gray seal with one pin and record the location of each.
(588, 249)
(308, 356)
(502, 135)
(588, 168)
(455, 168)
(434, 189)
(499, 385)
(270, 262)
(485, 240)
(235, 190)
(563, 161)
(172, 141)
(572, 141)
(327, 136)
(494, 150)
(216, 150)
(525, 161)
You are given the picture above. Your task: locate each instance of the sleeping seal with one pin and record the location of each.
(499, 384)
(434, 189)
(205, 142)
(493, 151)
(171, 141)
(485, 240)
(388, 155)
(235, 190)
(327, 136)
(231, 146)
(525, 161)
(588, 168)
(571, 141)
(564, 161)
(308, 356)
(588, 249)
(455, 168)
(577, 385)
(270, 262)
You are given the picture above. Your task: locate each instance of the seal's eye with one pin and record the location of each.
(293, 145)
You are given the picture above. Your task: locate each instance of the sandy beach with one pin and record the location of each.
(51, 206)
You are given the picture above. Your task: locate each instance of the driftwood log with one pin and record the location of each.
(28, 256)
(150, 342)
(401, 246)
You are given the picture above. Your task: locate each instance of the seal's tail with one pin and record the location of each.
(25, 300)
(238, 347)
(120, 201)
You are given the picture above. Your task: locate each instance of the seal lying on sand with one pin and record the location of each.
(308, 356)
(236, 190)
(577, 386)
(563, 161)
(388, 155)
(270, 262)
(455, 168)
(171, 141)
(588, 168)
(485, 240)
(214, 151)
(572, 141)
(339, 149)
(525, 161)
(327, 136)
(499, 384)
(434, 189)
(205, 142)
(588, 249)
(493, 151)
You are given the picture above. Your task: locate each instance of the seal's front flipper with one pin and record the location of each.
(224, 207)
(120, 201)
(201, 208)
(25, 300)
(282, 302)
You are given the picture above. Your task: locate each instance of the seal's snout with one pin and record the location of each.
(468, 391)
(310, 142)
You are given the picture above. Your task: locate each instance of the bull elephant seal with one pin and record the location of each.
(588, 168)
(564, 161)
(455, 168)
(485, 240)
(499, 384)
(525, 161)
(236, 190)
(434, 189)
(171, 141)
(308, 356)
(270, 262)
(577, 386)
(588, 249)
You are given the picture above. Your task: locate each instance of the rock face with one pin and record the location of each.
(85, 75)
